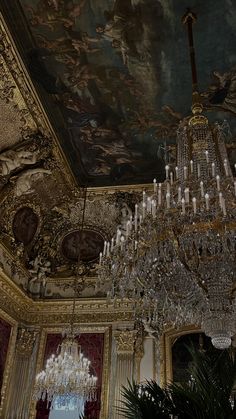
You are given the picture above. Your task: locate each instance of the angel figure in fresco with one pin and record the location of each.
(62, 45)
(123, 27)
(11, 160)
(84, 44)
(43, 18)
(80, 77)
(74, 10)
(222, 94)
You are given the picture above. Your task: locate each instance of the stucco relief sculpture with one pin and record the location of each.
(15, 159)
(24, 182)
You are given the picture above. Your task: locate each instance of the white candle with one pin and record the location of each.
(140, 219)
(171, 178)
(235, 167)
(191, 166)
(149, 205)
(185, 172)
(100, 258)
(183, 205)
(186, 195)
(202, 189)
(127, 228)
(213, 169)
(168, 200)
(118, 234)
(177, 172)
(179, 194)
(136, 210)
(168, 187)
(207, 201)
(207, 156)
(112, 244)
(198, 170)
(144, 209)
(135, 245)
(104, 248)
(194, 201)
(154, 208)
(159, 197)
(167, 171)
(223, 206)
(235, 188)
(108, 249)
(154, 185)
(122, 240)
(218, 182)
(144, 196)
(135, 223)
(220, 199)
(226, 167)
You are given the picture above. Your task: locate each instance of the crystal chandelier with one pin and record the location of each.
(176, 259)
(66, 380)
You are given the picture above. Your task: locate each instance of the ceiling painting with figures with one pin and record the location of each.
(114, 78)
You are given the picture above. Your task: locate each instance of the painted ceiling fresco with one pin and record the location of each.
(114, 77)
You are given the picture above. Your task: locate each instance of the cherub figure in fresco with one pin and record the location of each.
(63, 45)
(84, 44)
(74, 10)
(222, 94)
(131, 84)
(80, 77)
(123, 27)
(44, 18)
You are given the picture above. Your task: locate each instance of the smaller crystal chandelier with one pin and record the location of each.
(66, 379)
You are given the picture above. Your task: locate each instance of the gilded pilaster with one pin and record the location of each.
(22, 375)
(124, 341)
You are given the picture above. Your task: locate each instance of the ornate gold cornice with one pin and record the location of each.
(25, 310)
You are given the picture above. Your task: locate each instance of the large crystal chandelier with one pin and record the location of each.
(66, 380)
(176, 259)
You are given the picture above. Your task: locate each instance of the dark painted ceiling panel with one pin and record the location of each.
(114, 77)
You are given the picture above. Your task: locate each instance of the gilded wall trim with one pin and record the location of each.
(106, 361)
(167, 342)
(9, 359)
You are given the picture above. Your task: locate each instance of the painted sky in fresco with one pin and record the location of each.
(115, 77)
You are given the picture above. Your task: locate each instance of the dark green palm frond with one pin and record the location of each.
(208, 396)
(148, 402)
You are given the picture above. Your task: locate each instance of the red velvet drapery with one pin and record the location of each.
(92, 348)
(5, 332)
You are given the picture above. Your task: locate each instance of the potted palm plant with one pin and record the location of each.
(208, 395)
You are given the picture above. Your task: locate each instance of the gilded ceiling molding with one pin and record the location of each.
(22, 308)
